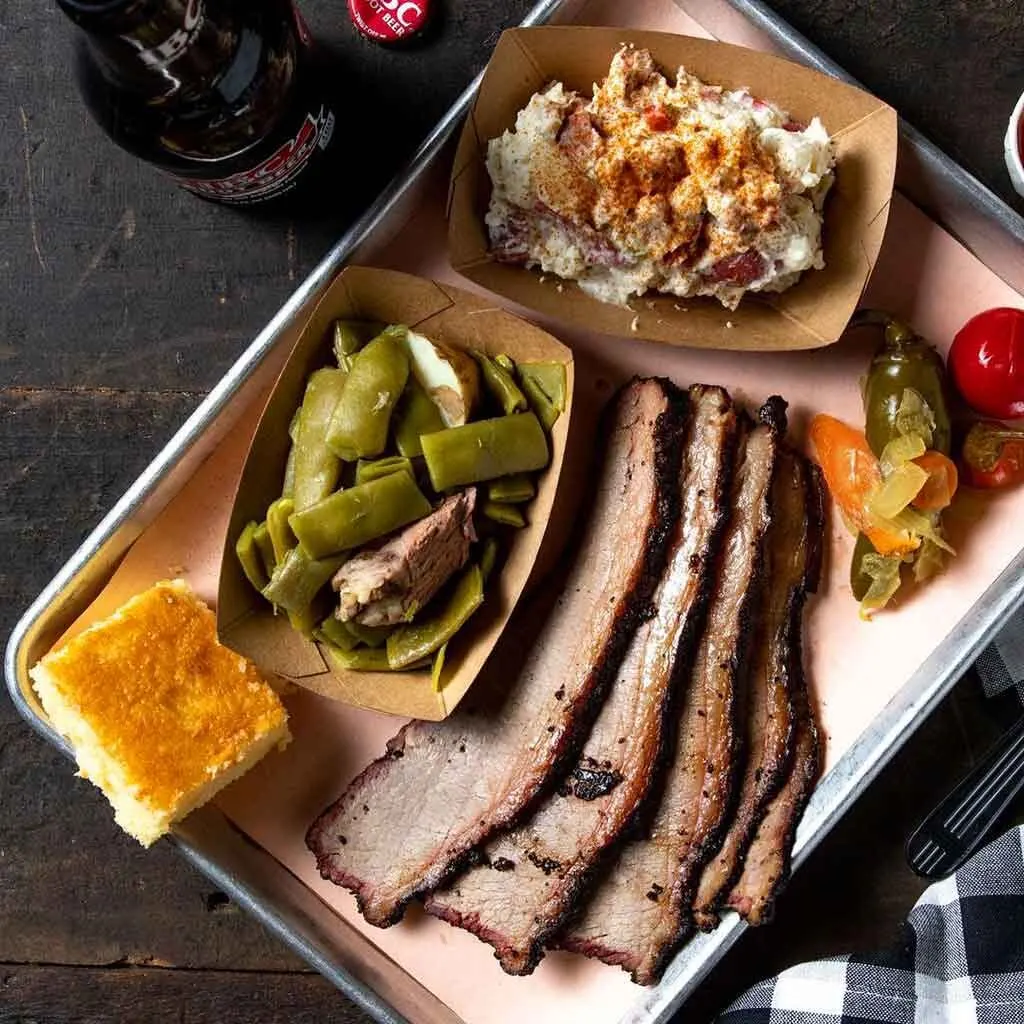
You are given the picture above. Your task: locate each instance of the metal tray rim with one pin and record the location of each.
(848, 778)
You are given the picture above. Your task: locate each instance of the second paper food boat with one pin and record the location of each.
(810, 314)
(447, 315)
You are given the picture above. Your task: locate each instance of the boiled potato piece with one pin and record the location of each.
(449, 376)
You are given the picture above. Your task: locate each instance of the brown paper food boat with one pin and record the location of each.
(811, 314)
(247, 623)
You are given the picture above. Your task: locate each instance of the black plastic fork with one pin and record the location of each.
(955, 829)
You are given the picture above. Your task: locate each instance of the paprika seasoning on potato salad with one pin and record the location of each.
(684, 188)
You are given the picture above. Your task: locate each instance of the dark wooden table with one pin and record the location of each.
(123, 301)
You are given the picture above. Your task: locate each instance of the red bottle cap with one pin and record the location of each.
(389, 21)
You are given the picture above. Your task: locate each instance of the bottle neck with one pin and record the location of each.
(162, 51)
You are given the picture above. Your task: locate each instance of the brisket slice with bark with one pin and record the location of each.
(768, 715)
(413, 817)
(529, 878)
(640, 912)
(767, 864)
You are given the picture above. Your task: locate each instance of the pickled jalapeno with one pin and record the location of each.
(903, 361)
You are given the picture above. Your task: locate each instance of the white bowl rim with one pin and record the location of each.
(1012, 147)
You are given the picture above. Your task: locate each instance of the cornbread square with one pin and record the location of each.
(161, 716)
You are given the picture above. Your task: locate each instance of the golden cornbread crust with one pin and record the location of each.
(164, 706)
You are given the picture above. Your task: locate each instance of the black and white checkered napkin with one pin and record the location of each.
(960, 960)
(961, 956)
(1001, 665)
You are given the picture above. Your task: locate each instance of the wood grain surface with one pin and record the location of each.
(123, 300)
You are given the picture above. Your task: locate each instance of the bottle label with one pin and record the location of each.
(276, 174)
(171, 48)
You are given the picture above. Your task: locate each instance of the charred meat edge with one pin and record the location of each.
(768, 766)
(647, 970)
(581, 872)
(723, 768)
(668, 431)
(767, 866)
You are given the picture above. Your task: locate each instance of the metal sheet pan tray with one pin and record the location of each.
(952, 248)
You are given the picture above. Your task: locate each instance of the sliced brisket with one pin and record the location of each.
(640, 911)
(383, 587)
(769, 711)
(530, 877)
(413, 817)
(767, 863)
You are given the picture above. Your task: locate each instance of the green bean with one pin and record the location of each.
(333, 632)
(281, 535)
(367, 470)
(501, 385)
(351, 335)
(549, 377)
(484, 450)
(505, 362)
(297, 579)
(370, 636)
(437, 668)
(364, 659)
(360, 424)
(347, 519)
(288, 484)
(416, 415)
(488, 557)
(249, 556)
(316, 466)
(501, 512)
(515, 488)
(539, 402)
(265, 546)
(303, 621)
(409, 644)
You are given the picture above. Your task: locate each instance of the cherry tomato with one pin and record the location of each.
(993, 455)
(987, 363)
